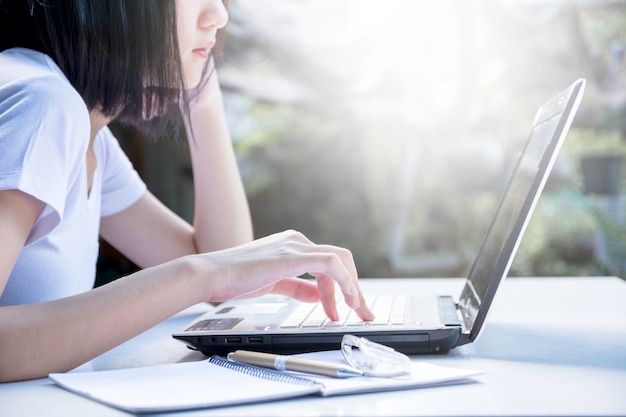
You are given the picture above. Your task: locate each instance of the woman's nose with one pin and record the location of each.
(213, 15)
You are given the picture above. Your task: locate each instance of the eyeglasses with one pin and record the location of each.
(374, 359)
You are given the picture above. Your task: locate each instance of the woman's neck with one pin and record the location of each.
(97, 121)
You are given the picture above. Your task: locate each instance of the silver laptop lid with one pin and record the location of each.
(533, 167)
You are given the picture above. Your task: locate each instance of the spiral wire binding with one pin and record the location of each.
(258, 372)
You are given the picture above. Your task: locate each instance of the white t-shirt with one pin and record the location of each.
(44, 135)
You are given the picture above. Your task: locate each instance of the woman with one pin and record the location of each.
(67, 69)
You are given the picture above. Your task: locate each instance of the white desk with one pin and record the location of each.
(552, 346)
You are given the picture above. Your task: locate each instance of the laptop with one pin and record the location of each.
(409, 324)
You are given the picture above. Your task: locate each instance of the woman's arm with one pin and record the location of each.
(18, 213)
(149, 233)
(222, 217)
(36, 339)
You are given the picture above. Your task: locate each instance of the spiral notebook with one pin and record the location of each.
(217, 382)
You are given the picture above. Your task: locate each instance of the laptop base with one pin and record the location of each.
(408, 342)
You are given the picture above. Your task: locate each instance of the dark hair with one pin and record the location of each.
(121, 56)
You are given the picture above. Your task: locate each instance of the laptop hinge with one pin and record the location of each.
(463, 339)
(448, 312)
(464, 319)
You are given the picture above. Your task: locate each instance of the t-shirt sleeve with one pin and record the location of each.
(121, 185)
(43, 126)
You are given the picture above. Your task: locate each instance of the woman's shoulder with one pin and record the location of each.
(31, 81)
(22, 63)
(23, 71)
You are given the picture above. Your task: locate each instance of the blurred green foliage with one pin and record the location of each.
(350, 137)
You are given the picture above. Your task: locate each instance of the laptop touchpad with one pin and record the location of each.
(252, 309)
(214, 324)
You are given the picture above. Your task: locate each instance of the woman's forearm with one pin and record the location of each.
(56, 336)
(222, 215)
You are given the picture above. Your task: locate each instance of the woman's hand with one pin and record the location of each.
(272, 265)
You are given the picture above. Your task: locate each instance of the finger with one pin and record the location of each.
(326, 287)
(364, 311)
(355, 300)
(348, 260)
(345, 256)
(297, 288)
(327, 263)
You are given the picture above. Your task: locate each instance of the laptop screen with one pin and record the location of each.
(505, 233)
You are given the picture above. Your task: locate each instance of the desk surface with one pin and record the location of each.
(551, 346)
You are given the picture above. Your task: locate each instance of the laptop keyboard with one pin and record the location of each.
(388, 309)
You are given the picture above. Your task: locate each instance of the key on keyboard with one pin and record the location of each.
(388, 310)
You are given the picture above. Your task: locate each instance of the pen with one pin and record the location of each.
(289, 363)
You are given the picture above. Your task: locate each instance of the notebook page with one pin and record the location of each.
(178, 386)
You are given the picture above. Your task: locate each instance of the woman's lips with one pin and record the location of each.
(204, 51)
